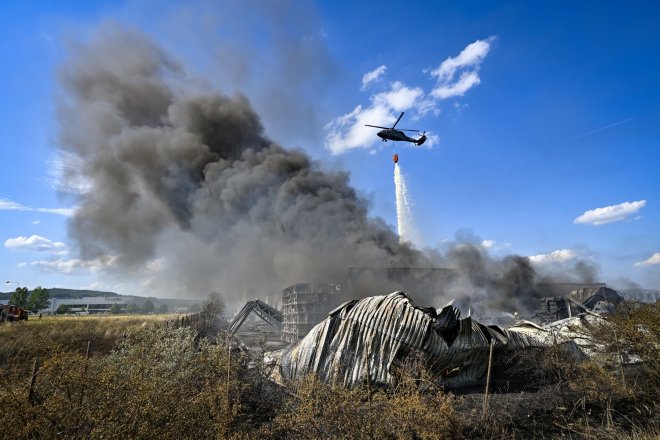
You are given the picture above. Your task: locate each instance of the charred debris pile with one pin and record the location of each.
(374, 339)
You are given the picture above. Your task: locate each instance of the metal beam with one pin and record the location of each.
(270, 315)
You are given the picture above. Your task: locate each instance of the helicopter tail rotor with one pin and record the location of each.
(421, 140)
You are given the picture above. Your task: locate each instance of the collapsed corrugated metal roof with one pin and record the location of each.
(362, 341)
(597, 298)
(574, 330)
(590, 297)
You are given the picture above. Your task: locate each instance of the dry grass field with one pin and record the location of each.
(21, 342)
(144, 379)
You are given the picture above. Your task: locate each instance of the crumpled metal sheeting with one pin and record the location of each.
(465, 358)
(362, 341)
(571, 333)
(376, 333)
(466, 361)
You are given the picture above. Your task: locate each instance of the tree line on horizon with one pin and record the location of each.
(37, 299)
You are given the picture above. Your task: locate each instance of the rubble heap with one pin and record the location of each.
(363, 341)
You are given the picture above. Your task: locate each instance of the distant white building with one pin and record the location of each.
(646, 297)
(92, 305)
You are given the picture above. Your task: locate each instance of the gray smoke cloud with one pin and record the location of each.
(193, 183)
(185, 188)
(488, 284)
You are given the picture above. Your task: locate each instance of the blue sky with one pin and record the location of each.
(542, 116)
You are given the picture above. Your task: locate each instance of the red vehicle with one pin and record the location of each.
(12, 313)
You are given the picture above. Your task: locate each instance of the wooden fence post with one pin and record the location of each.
(82, 391)
(33, 379)
(618, 350)
(490, 362)
(371, 423)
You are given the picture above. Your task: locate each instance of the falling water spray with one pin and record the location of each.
(404, 216)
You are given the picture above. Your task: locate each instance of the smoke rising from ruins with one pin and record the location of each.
(192, 182)
(187, 187)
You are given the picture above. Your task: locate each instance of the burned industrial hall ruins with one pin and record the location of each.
(345, 337)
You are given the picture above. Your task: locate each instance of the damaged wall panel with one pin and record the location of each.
(363, 341)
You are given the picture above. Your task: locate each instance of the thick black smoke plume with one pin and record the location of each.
(186, 190)
(190, 184)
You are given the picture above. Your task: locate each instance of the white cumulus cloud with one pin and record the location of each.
(492, 245)
(558, 256)
(458, 88)
(487, 244)
(9, 205)
(67, 212)
(610, 214)
(399, 98)
(653, 260)
(35, 243)
(69, 165)
(349, 131)
(454, 77)
(372, 76)
(74, 265)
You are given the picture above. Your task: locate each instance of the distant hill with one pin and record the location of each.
(56, 292)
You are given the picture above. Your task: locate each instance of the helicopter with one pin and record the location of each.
(392, 134)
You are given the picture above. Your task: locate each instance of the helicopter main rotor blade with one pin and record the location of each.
(408, 129)
(376, 126)
(397, 121)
